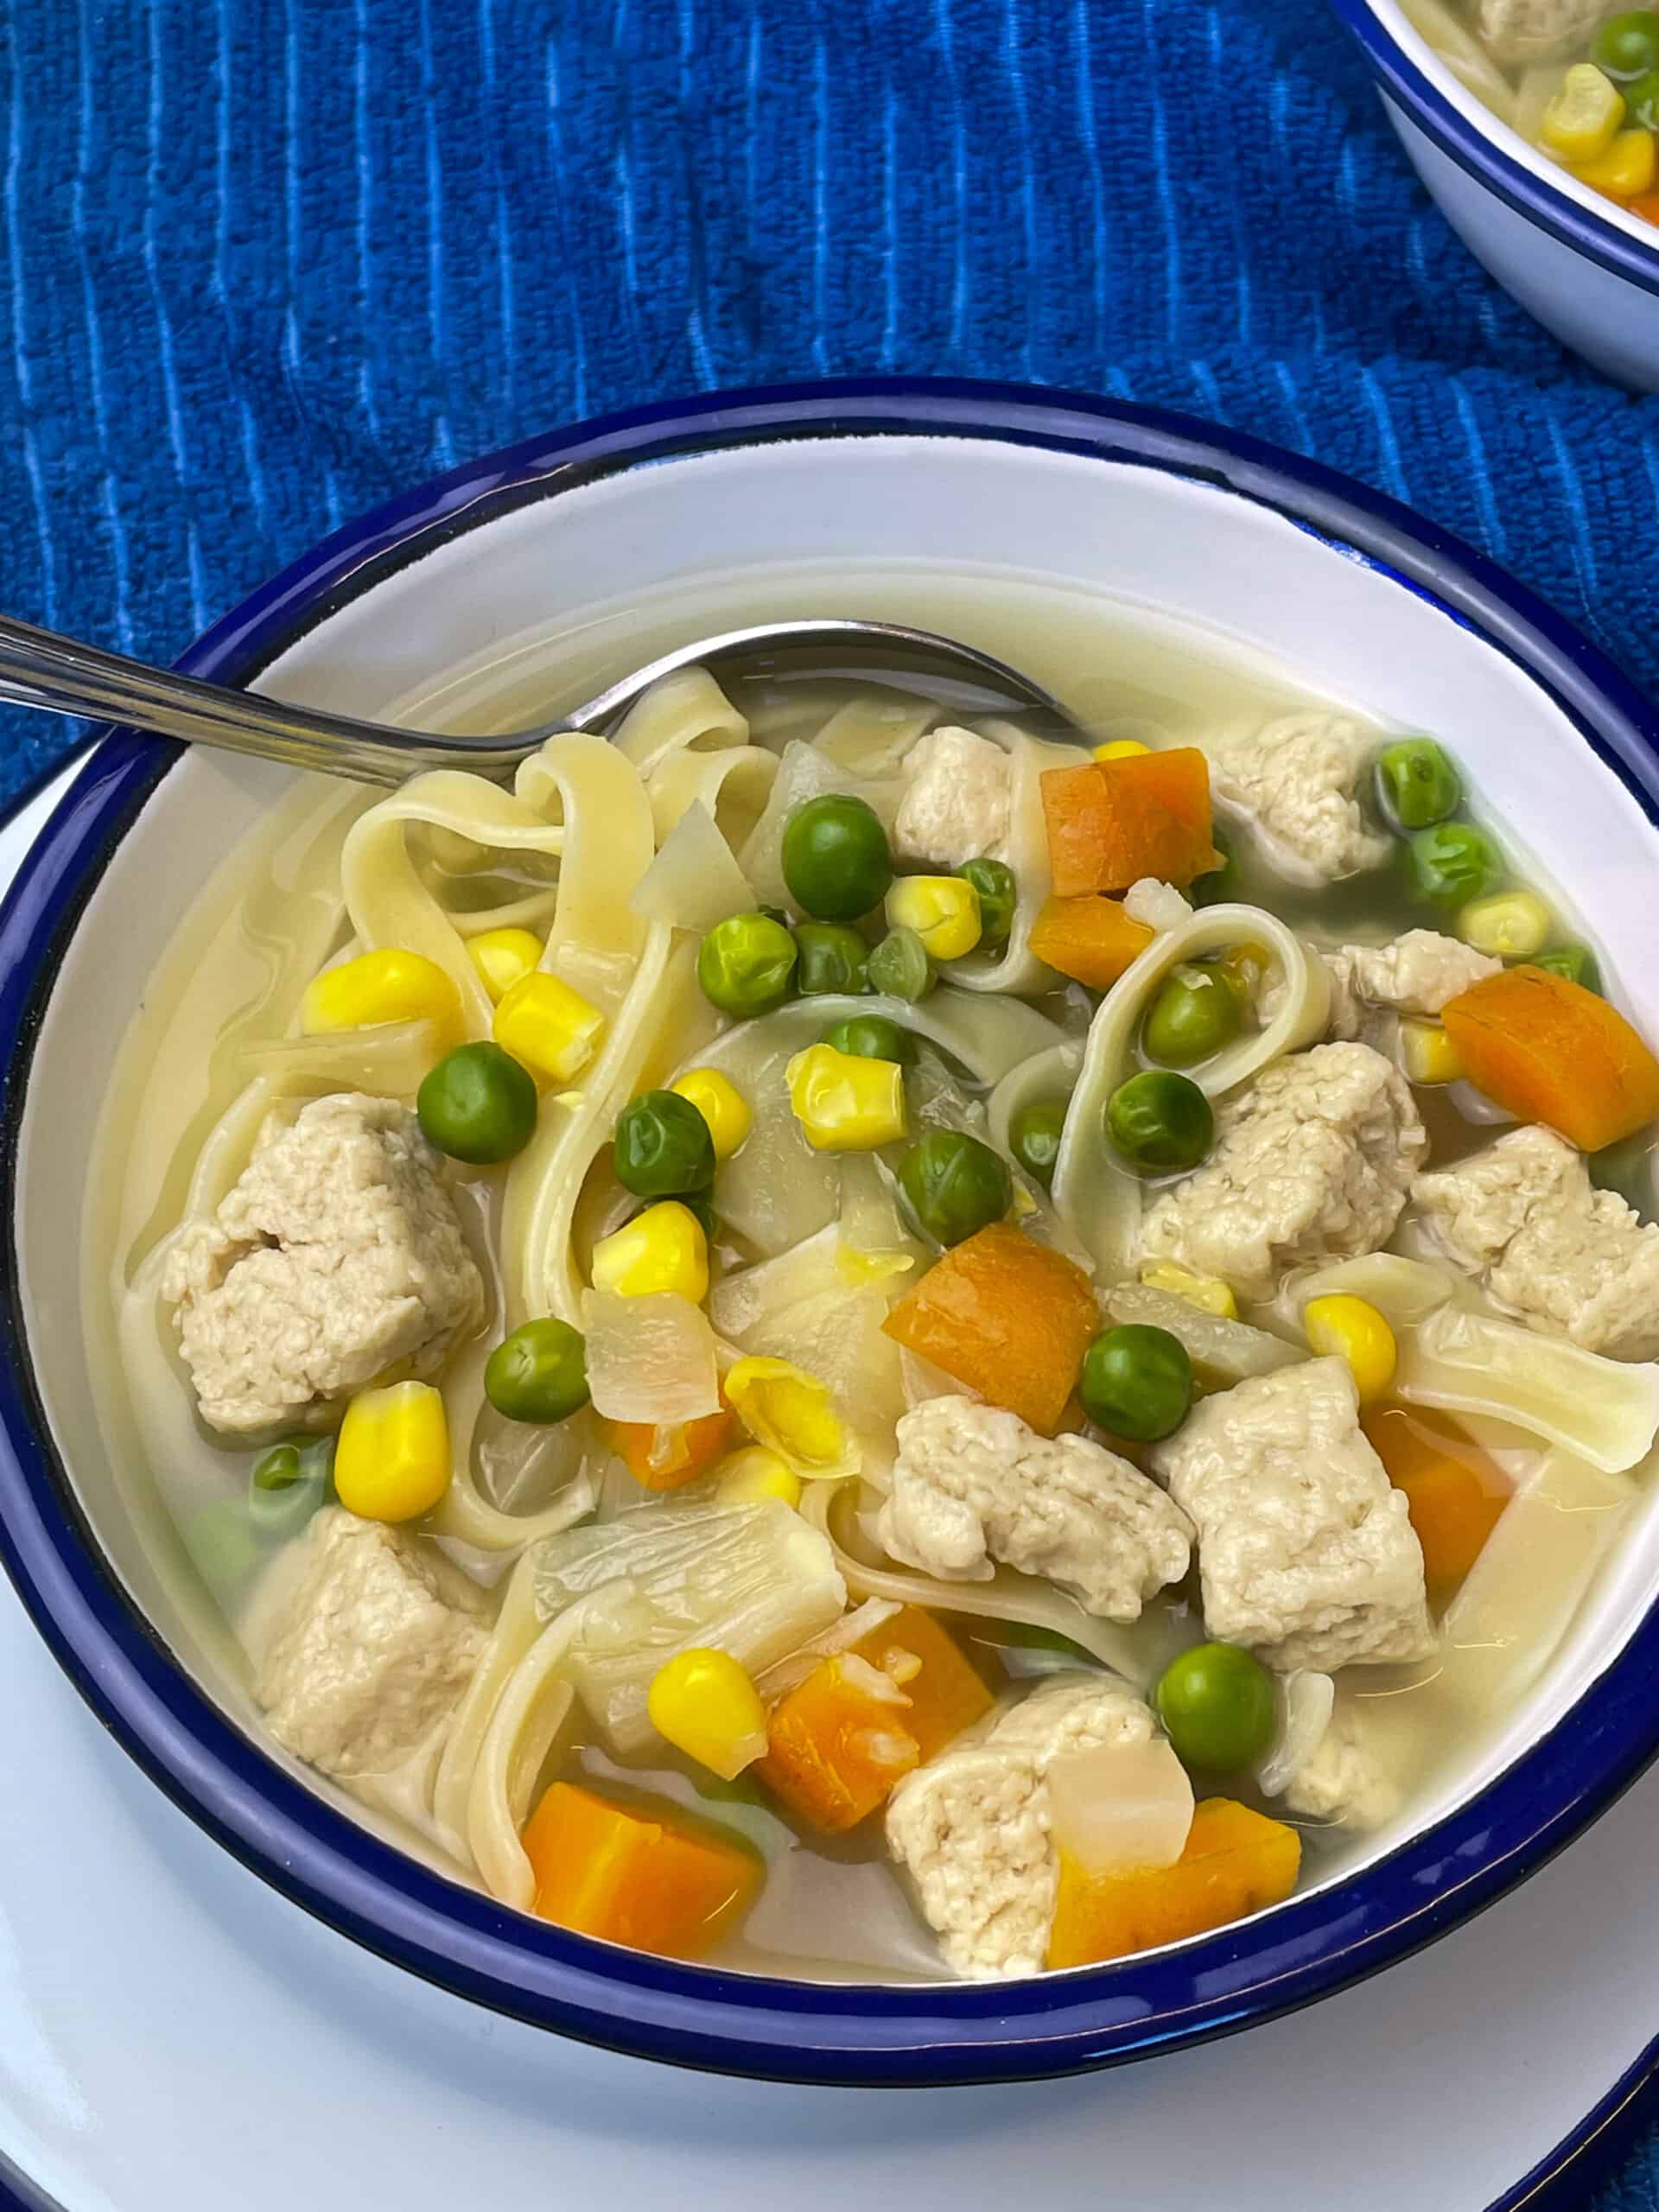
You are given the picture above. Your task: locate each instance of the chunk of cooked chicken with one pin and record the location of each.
(337, 1254)
(1307, 1553)
(956, 802)
(1295, 781)
(972, 1827)
(365, 1644)
(1523, 1216)
(1313, 1162)
(1417, 974)
(972, 1484)
(1341, 1780)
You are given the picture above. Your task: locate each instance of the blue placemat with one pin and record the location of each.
(264, 262)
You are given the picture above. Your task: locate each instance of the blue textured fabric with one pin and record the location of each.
(264, 262)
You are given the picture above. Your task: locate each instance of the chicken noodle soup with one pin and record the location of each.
(1578, 79)
(843, 1340)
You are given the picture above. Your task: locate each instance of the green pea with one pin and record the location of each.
(747, 964)
(1218, 1706)
(871, 1037)
(278, 1469)
(1034, 1136)
(1136, 1382)
(900, 967)
(478, 1104)
(1628, 45)
(220, 1540)
(832, 957)
(837, 861)
(1642, 101)
(1576, 962)
(999, 895)
(955, 1185)
(1194, 1014)
(662, 1147)
(1159, 1122)
(1416, 784)
(539, 1374)
(1220, 884)
(1451, 864)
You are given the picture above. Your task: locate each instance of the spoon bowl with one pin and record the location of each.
(38, 668)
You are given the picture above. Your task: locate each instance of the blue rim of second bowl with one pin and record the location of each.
(1480, 155)
(858, 2034)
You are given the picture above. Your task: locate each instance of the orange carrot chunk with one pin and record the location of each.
(1235, 1861)
(670, 1457)
(947, 1692)
(652, 1879)
(1549, 1051)
(1455, 1493)
(1091, 939)
(1007, 1317)
(1111, 821)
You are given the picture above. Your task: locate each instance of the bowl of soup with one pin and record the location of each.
(1535, 129)
(850, 1385)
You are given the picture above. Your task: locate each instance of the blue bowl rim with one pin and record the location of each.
(857, 2035)
(1479, 155)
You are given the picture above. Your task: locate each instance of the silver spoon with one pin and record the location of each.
(39, 669)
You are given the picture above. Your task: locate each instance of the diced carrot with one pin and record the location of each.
(947, 1692)
(1235, 1861)
(1112, 821)
(669, 1458)
(1549, 1051)
(1009, 1317)
(1091, 939)
(1455, 1493)
(652, 1879)
(1647, 206)
(836, 1745)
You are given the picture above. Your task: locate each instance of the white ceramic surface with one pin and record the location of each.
(1611, 322)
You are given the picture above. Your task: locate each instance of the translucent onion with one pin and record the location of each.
(1120, 1806)
(1306, 1701)
(1097, 1200)
(852, 1628)
(650, 1359)
(1604, 1411)
(871, 733)
(1223, 1351)
(694, 882)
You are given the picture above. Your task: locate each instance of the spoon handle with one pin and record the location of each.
(39, 669)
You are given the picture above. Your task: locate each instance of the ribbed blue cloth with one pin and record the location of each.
(265, 262)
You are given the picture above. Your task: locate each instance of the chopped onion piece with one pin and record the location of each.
(852, 1628)
(695, 881)
(1306, 1701)
(1120, 1806)
(1605, 1411)
(650, 1359)
(1225, 1352)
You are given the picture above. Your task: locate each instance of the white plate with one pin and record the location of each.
(175, 2034)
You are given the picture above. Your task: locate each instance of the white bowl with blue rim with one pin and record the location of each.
(636, 531)
(1585, 267)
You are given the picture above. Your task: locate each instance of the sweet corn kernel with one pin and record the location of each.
(1428, 1054)
(754, 1475)
(504, 957)
(387, 986)
(1208, 1291)
(1121, 748)
(662, 1248)
(844, 1103)
(1352, 1330)
(942, 910)
(1626, 170)
(549, 1026)
(720, 1103)
(793, 1414)
(704, 1704)
(391, 1462)
(1583, 119)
